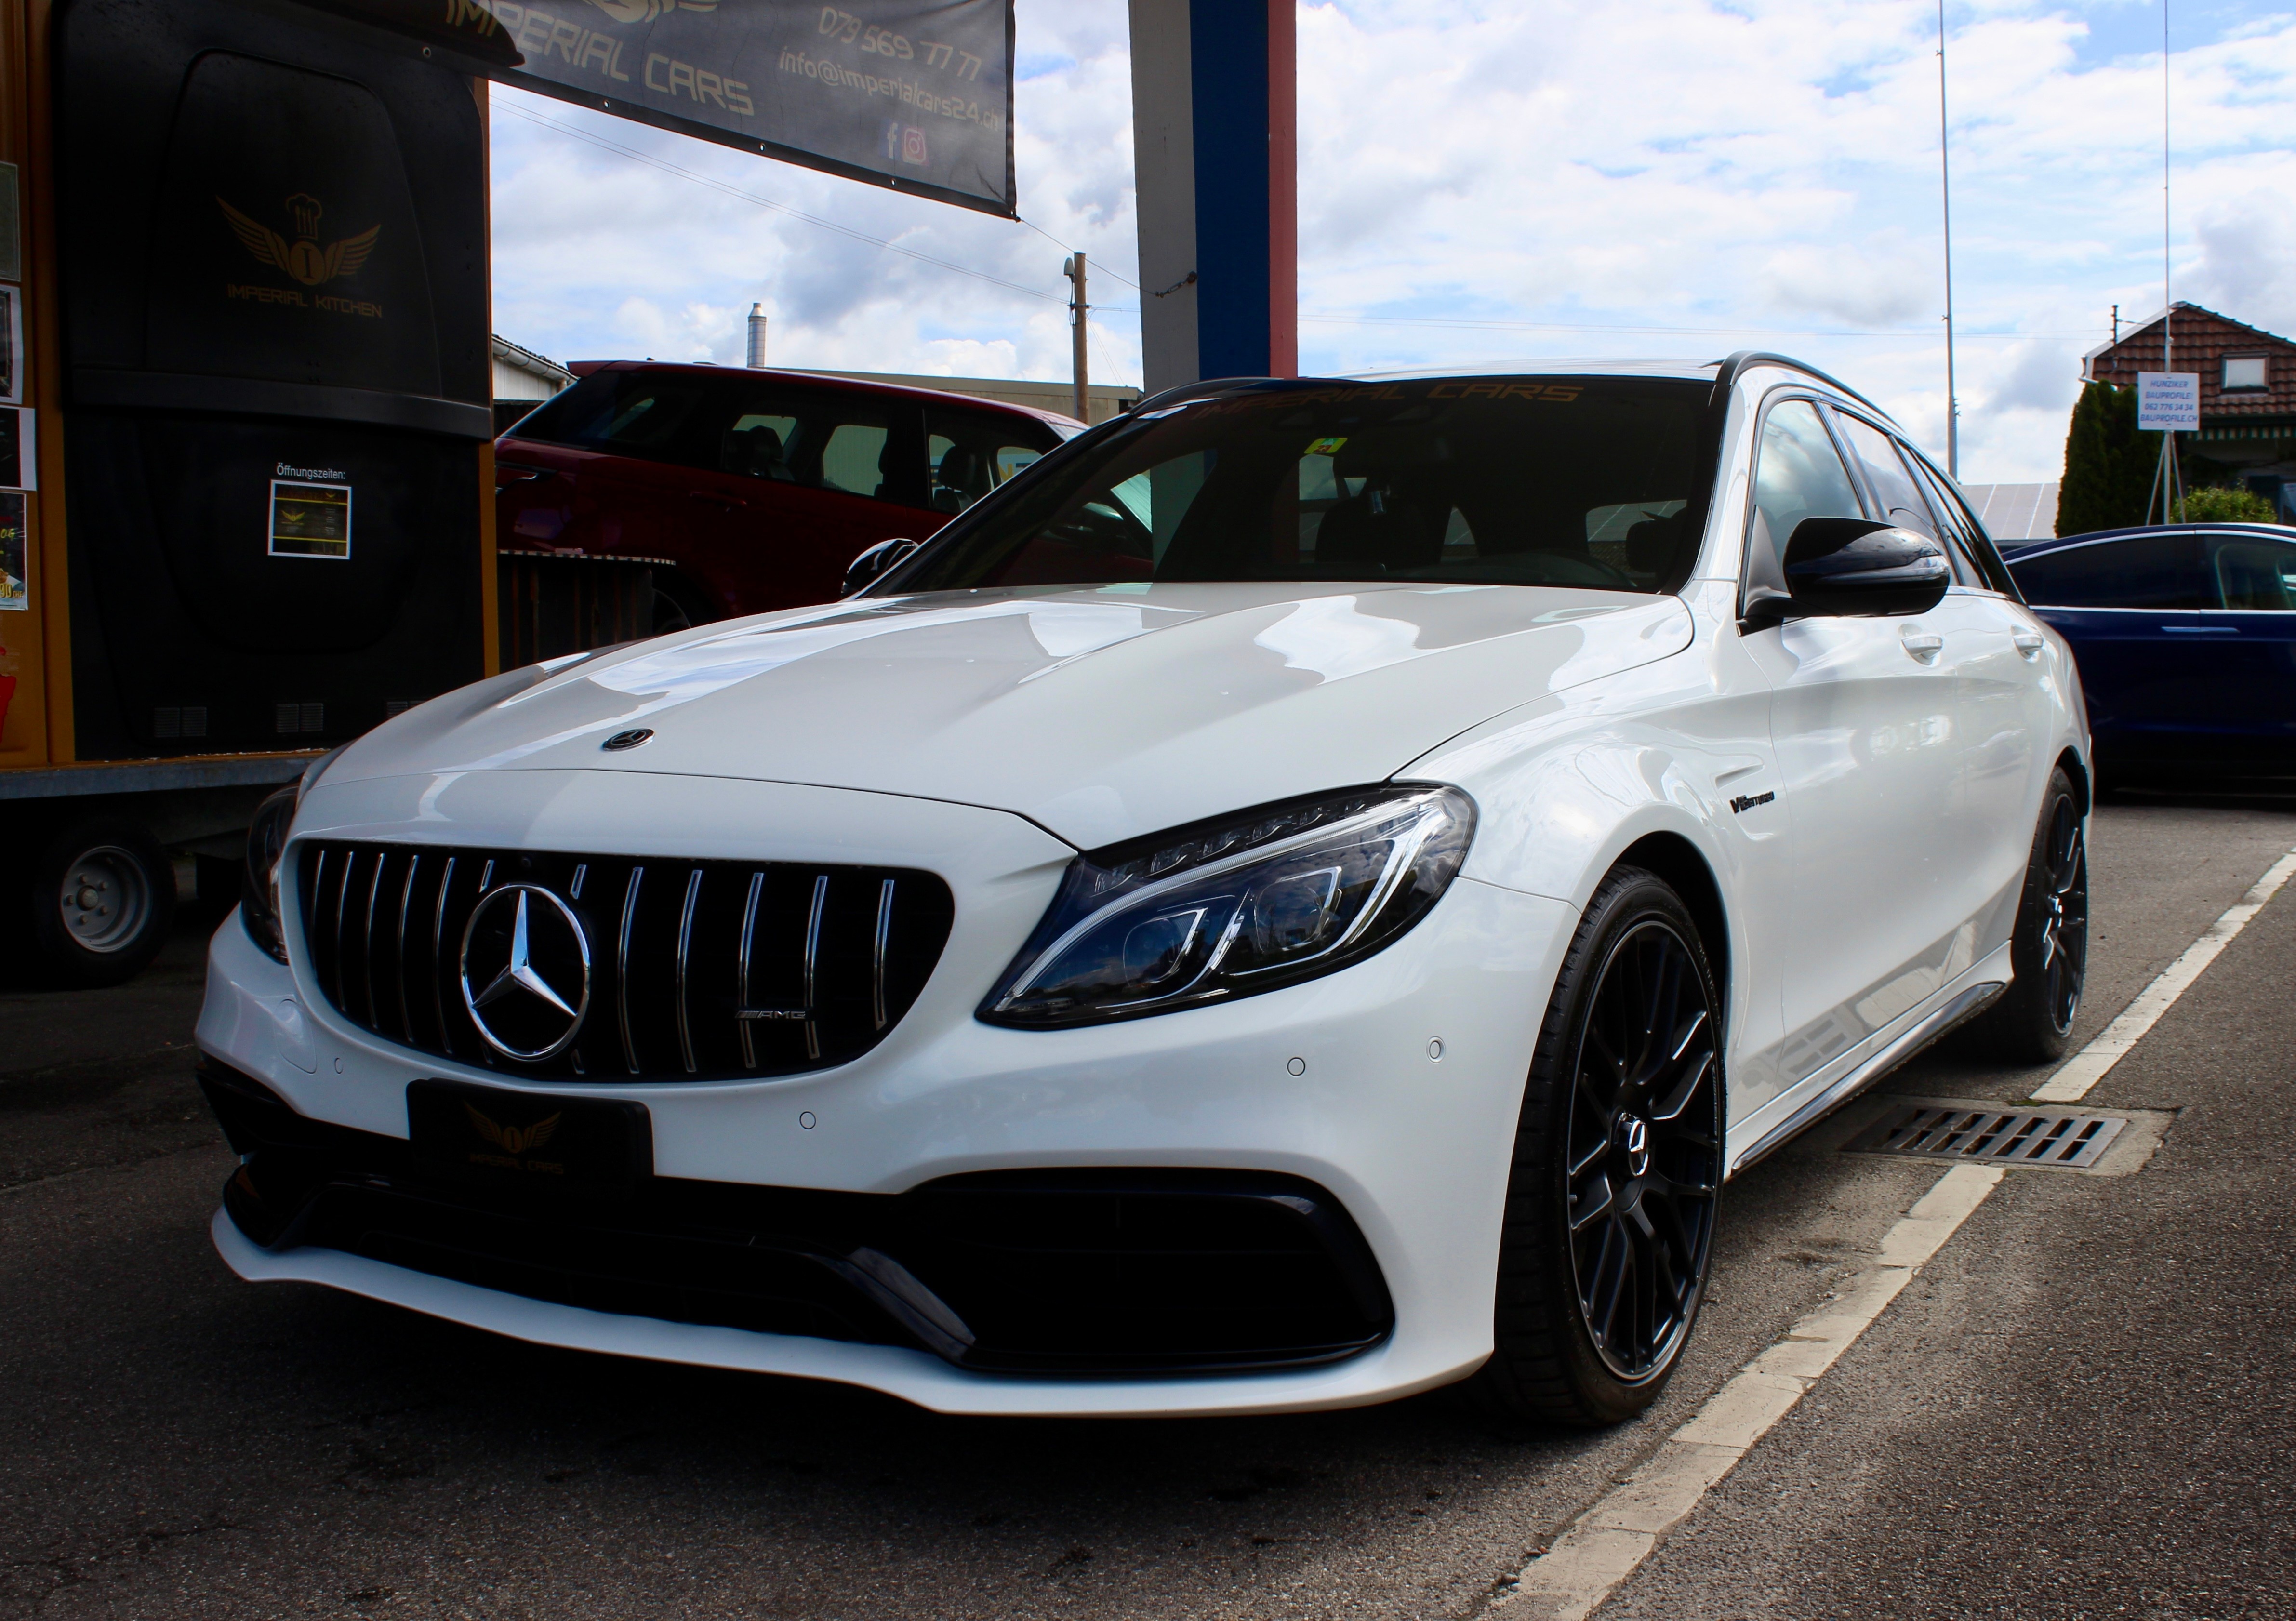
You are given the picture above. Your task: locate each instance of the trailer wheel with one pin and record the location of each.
(102, 897)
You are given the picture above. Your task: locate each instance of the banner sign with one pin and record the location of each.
(2169, 401)
(916, 94)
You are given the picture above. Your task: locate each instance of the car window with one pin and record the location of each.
(1899, 499)
(970, 453)
(1797, 474)
(849, 458)
(851, 443)
(1968, 535)
(1595, 482)
(2256, 576)
(2143, 572)
(630, 414)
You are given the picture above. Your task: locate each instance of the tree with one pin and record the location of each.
(2109, 465)
(2227, 506)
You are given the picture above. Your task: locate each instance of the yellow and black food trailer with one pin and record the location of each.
(246, 481)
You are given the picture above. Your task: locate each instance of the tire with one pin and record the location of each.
(1621, 1133)
(2033, 1021)
(102, 898)
(677, 606)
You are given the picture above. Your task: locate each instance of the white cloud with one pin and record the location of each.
(1739, 173)
(1875, 283)
(2247, 264)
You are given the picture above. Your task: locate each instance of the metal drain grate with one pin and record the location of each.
(2047, 1137)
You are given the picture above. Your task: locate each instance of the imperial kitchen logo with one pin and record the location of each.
(304, 258)
(514, 1142)
(525, 971)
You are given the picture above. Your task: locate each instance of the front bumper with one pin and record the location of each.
(1339, 1084)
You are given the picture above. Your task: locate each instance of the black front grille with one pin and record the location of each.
(698, 968)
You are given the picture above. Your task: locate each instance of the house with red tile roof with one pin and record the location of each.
(2248, 391)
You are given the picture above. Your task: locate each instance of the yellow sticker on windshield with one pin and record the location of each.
(1324, 447)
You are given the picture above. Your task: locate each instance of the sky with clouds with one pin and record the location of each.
(1482, 183)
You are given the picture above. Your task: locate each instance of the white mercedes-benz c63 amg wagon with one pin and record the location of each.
(1303, 895)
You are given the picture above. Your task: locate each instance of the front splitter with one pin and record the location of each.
(913, 1376)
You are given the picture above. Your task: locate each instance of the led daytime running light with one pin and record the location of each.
(1270, 899)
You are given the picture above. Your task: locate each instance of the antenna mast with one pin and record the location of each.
(1945, 193)
(2169, 483)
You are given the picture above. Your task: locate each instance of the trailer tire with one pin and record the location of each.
(101, 899)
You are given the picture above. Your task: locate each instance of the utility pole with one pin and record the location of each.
(1945, 193)
(2115, 323)
(1079, 312)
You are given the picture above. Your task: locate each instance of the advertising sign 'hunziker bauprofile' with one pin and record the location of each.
(915, 94)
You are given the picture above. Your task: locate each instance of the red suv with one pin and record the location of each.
(757, 488)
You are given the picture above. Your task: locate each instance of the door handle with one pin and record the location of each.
(1925, 645)
(714, 499)
(2026, 643)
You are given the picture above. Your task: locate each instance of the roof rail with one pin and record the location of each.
(1746, 359)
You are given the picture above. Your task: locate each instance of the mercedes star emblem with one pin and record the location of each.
(526, 971)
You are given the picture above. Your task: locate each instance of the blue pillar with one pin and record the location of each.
(1215, 146)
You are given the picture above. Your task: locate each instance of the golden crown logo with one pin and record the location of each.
(646, 10)
(302, 258)
(512, 1139)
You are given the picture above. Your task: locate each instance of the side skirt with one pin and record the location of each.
(1984, 982)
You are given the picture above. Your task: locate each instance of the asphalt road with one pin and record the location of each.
(2077, 1409)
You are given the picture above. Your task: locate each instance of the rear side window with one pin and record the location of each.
(2145, 571)
(1894, 491)
(628, 413)
(2256, 576)
(1797, 474)
(970, 453)
(1969, 536)
(851, 443)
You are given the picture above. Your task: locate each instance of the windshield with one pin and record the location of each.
(1595, 482)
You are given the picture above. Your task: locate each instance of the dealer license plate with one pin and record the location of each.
(528, 1139)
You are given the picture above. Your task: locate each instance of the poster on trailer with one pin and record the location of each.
(912, 94)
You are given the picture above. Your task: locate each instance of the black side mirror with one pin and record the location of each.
(1841, 568)
(873, 563)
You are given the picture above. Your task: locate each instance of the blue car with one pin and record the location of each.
(2186, 635)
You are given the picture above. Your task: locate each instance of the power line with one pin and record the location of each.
(1678, 331)
(1072, 250)
(1465, 325)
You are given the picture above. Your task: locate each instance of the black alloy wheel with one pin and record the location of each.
(2064, 922)
(2032, 1023)
(1618, 1166)
(1643, 1160)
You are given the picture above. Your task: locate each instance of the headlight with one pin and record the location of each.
(1221, 910)
(267, 842)
(258, 891)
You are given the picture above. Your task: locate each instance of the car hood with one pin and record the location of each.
(1099, 713)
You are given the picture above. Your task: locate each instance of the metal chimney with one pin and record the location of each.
(756, 336)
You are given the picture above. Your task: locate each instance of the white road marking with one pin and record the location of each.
(1605, 1545)
(2087, 1067)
